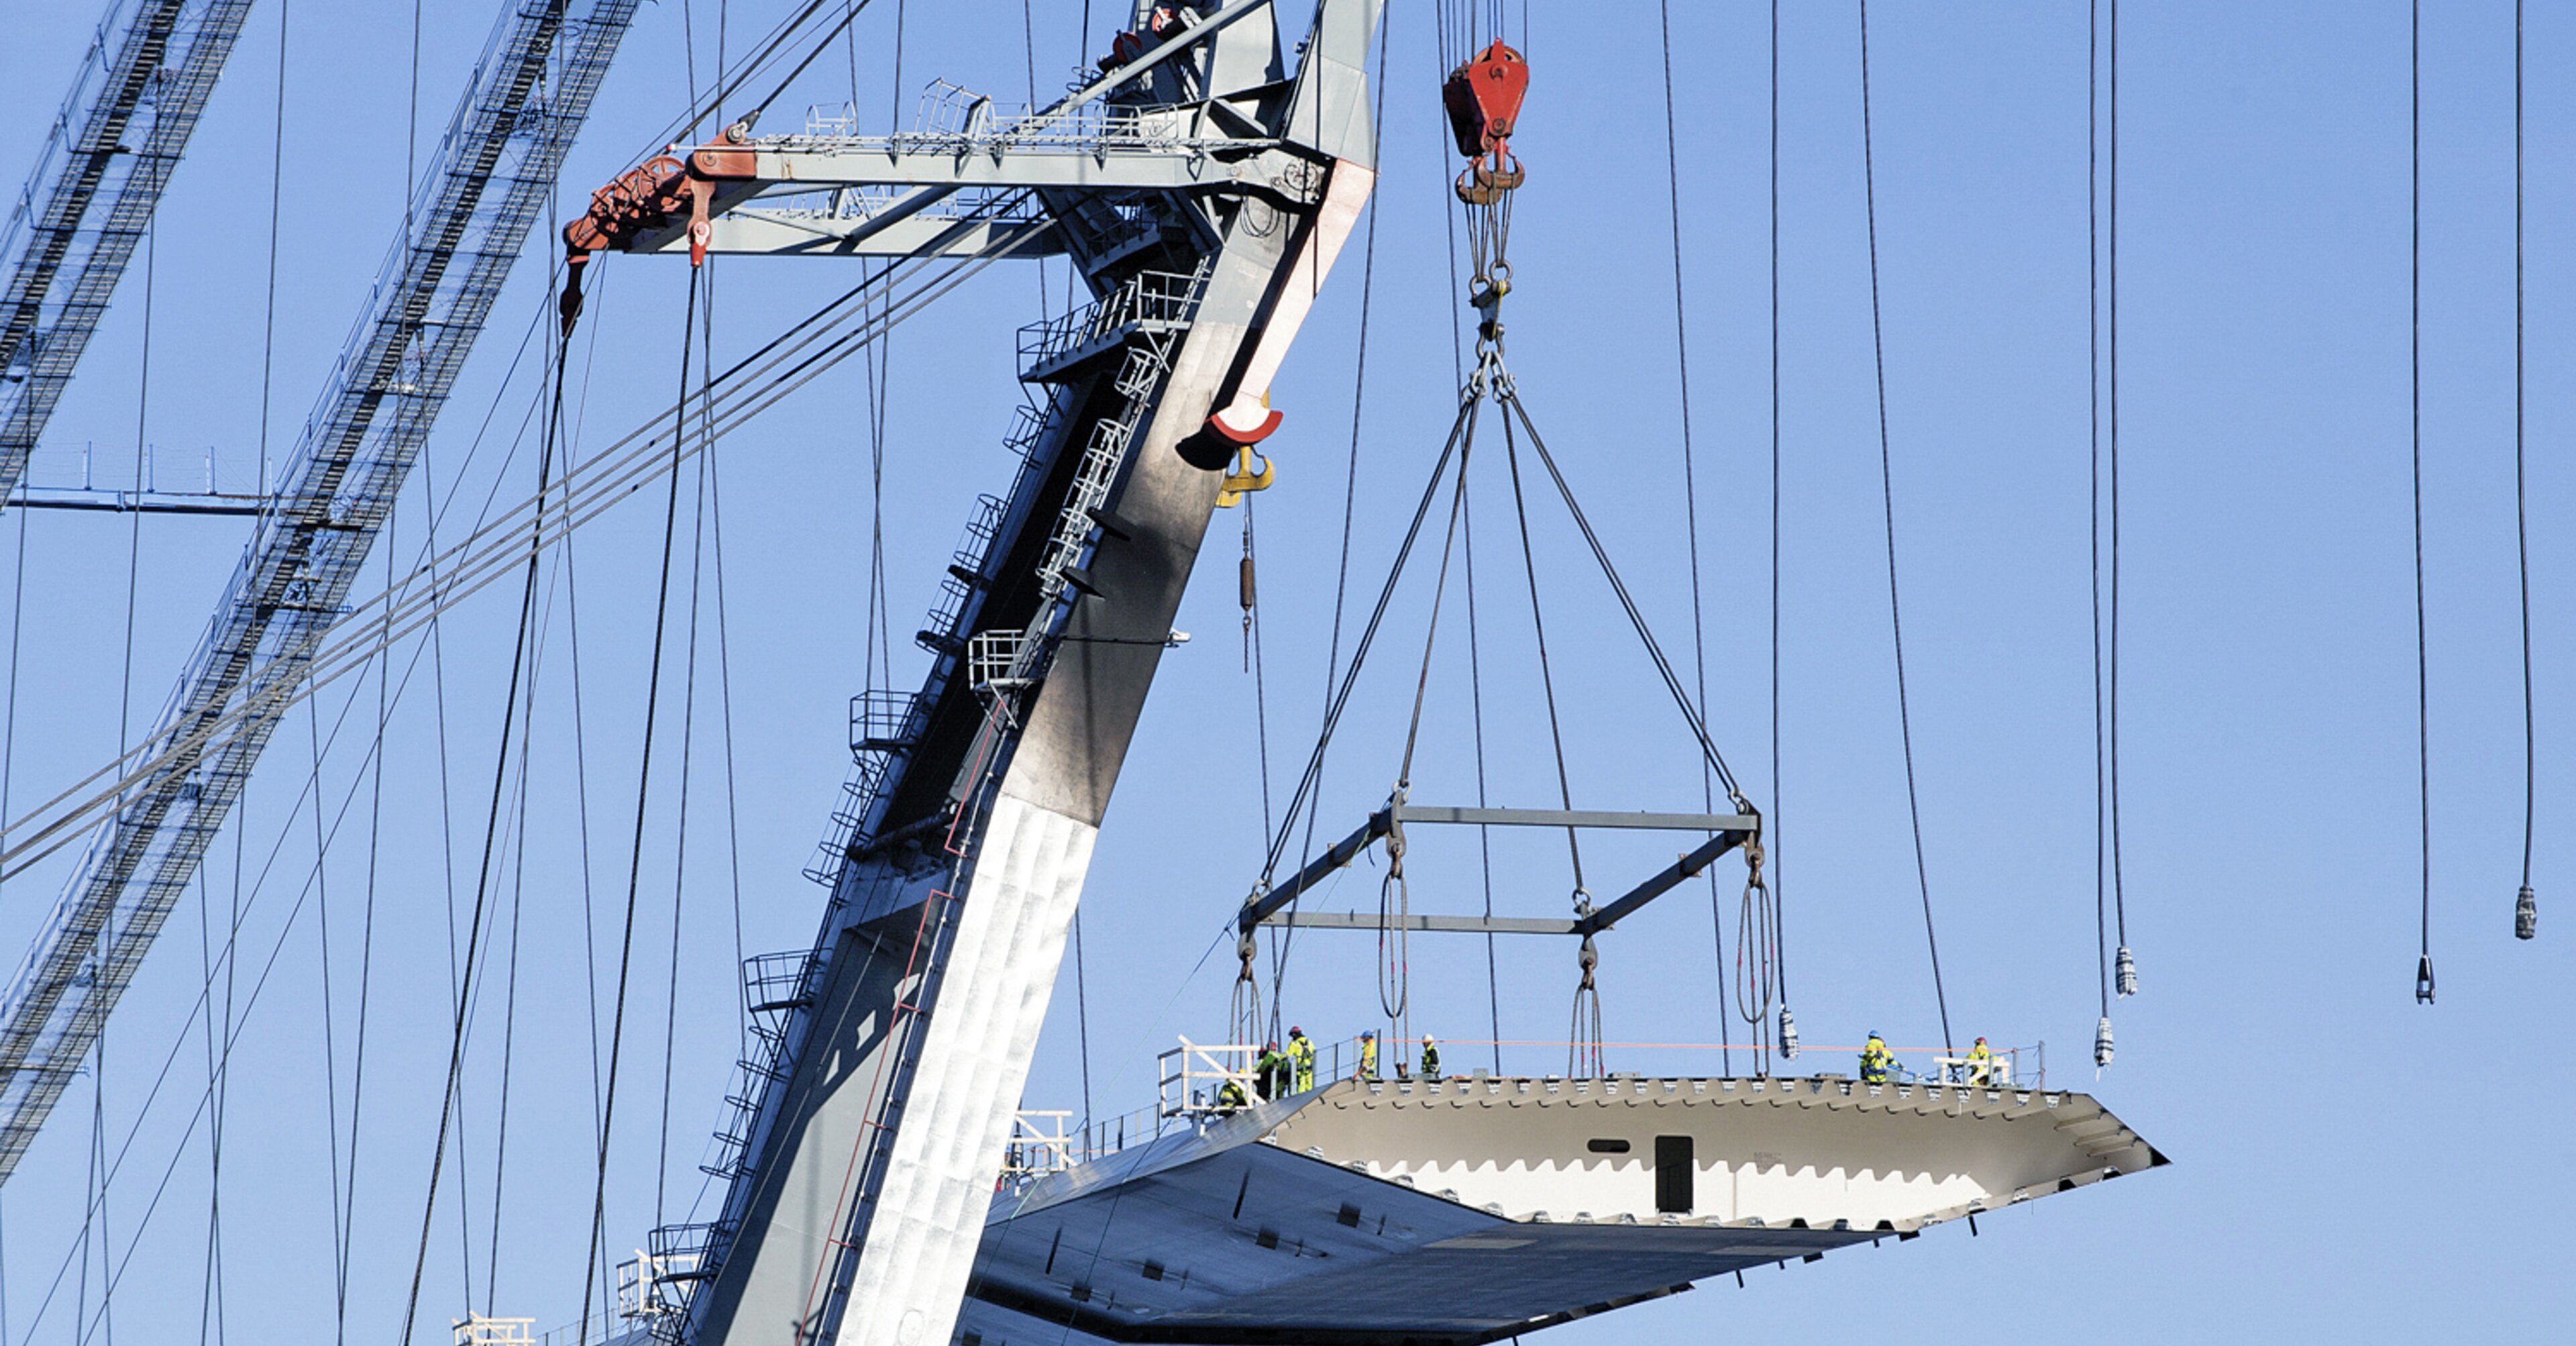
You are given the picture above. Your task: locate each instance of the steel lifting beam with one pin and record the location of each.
(96, 184)
(1732, 828)
(494, 169)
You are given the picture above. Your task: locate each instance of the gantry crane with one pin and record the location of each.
(488, 181)
(1202, 189)
(127, 119)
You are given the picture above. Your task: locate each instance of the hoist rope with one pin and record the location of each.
(1484, 834)
(1546, 676)
(1285, 940)
(643, 797)
(1306, 781)
(2521, 524)
(2119, 882)
(1887, 481)
(1690, 469)
(519, 654)
(2093, 333)
(1395, 893)
(1771, 821)
(2415, 426)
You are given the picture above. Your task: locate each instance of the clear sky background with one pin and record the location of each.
(2348, 1165)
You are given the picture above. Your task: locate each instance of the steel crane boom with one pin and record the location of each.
(1203, 190)
(488, 182)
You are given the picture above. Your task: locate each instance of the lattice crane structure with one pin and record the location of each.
(132, 107)
(488, 181)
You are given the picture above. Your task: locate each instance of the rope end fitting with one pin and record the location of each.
(2125, 973)
(2526, 914)
(2424, 980)
(2102, 1043)
(1788, 1034)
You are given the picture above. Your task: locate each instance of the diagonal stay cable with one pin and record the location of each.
(487, 555)
(1306, 781)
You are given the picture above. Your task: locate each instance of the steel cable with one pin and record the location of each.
(2415, 425)
(1887, 480)
(484, 557)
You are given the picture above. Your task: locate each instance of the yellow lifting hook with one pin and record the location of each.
(1244, 479)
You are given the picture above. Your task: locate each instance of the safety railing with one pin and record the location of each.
(1149, 301)
(1039, 1144)
(654, 1287)
(1195, 1079)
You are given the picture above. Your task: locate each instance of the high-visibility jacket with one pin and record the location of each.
(1875, 1059)
(1230, 1096)
(1270, 1074)
(1301, 1051)
(1430, 1062)
(1368, 1058)
(1981, 1064)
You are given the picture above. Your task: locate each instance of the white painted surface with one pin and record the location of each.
(975, 1059)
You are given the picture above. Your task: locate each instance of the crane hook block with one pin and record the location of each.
(1483, 96)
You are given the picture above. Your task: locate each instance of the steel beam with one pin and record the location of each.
(1672, 876)
(1659, 822)
(1472, 925)
(796, 233)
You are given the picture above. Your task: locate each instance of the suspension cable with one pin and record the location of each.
(1887, 481)
(1307, 780)
(1690, 478)
(1546, 678)
(643, 796)
(2415, 394)
(2526, 915)
(2093, 499)
(2124, 972)
(1788, 1037)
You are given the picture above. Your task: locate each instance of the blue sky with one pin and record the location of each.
(2328, 1133)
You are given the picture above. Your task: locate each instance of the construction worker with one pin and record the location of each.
(1430, 1059)
(1229, 1096)
(1981, 1063)
(1270, 1071)
(1368, 1054)
(1875, 1059)
(1301, 1054)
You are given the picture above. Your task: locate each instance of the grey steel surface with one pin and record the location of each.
(486, 185)
(132, 107)
(1478, 1209)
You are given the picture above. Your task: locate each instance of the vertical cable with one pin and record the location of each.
(2415, 410)
(1887, 480)
(2526, 915)
(1771, 826)
(2124, 976)
(1690, 503)
(2093, 499)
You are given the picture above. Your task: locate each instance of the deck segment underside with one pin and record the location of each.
(1482, 1208)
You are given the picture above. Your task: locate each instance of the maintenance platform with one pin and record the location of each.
(1378, 1212)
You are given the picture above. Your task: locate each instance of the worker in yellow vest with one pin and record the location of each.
(1875, 1059)
(1368, 1054)
(1981, 1063)
(1270, 1071)
(1301, 1055)
(1430, 1059)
